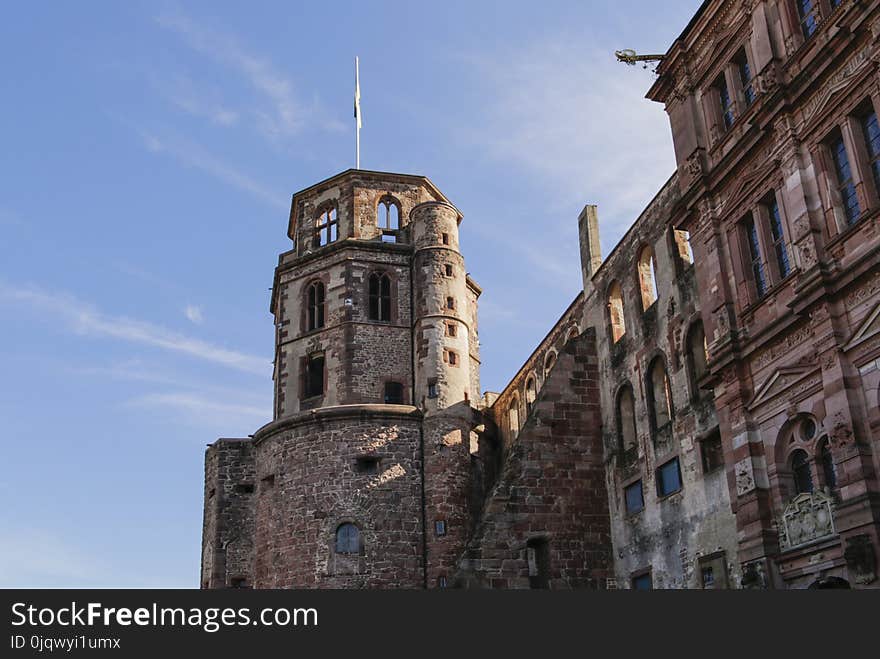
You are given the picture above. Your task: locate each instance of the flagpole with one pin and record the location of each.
(357, 112)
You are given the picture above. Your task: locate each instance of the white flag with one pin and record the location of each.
(357, 93)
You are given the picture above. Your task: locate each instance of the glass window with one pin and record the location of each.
(745, 77)
(326, 228)
(642, 582)
(314, 376)
(380, 297)
(845, 185)
(348, 539)
(809, 18)
(393, 393)
(755, 260)
(778, 237)
(800, 466)
(315, 306)
(668, 478)
(726, 101)
(872, 138)
(635, 500)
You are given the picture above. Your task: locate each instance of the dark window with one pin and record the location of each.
(712, 453)
(450, 303)
(745, 77)
(380, 297)
(660, 405)
(872, 138)
(348, 539)
(440, 527)
(453, 358)
(326, 228)
(314, 376)
(643, 582)
(755, 260)
(828, 469)
(778, 237)
(538, 557)
(451, 329)
(393, 393)
(626, 419)
(808, 429)
(238, 582)
(845, 185)
(441, 581)
(668, 478)
(800, 467)
(445, 238)
(726, 101)
(708, 574)
(809, 17)
(635, 500)
(245, 488)
(367, 464)
(432, 390)
(315, 305)
(549, 363)
(448, 270)
(697, 356)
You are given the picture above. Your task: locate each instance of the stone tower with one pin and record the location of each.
(362, 478)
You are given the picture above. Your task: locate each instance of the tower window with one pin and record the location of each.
(871, 132)
(668, 478)
(326, 228)
(725, 101)
(393, 393)
(388, 219)
(314, 376)
(538, 558)
(348, 539)
(315, 305)
(432, 389)
(450, 303)
(634, 497)
(448, 270)
(452, 358)
(615, 312)
(440, 528)
(380, 297)
(745, 77)
(367, 464)
(445, 238)
(756, 262)
(809, 18)
(451, 329)
(800, 467)
(778, 237)
(845, 185)
(647, 277)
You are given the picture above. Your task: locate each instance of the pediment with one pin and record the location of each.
(790, 380)
(837, 84)
(868, 328)
(743, 189)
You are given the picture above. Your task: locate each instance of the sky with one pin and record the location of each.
(149, 153)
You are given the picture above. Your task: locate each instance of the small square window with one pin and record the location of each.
(245, 488)
(451, 329)
(635, 500)
(389, 237)
(445, 238)
(668, 478)
(713, 571)
(453, 358)
(367, 464)
(393, 393)
(440, 527)
(432, 390)
(448, 269)
(450, 302)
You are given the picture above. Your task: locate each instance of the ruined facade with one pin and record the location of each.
(705, 414)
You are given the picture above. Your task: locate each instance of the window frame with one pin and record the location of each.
(326, 232)
(663, 493)
(380, 308)
(316, 311)
(631, 512)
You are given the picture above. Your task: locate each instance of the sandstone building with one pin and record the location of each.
(705, 414)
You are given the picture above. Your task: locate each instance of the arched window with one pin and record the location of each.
(626, 418)
(828, 470)
(380, 297)
(572, 333)
(697, 355)
(388, 219)
(647, 277)
(513, 417)
(549, 362)
(683, 246)
(348, 539)
(530, 394)
(315, 305)
(800, 467)
(326, 228)
(615, 312)
(658, 390)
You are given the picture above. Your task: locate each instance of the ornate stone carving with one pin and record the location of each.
(806, 518)
(754, 576)
(745, 477)
(860, 294)
(837, 82)
(808, 254)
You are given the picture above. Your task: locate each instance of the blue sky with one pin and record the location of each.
(149, 154)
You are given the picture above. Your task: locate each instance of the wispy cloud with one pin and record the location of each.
(283, 114)
(86, 320)
(187, 95)
(200, 410)
(194, 314)
(566, 113)
(192, 155)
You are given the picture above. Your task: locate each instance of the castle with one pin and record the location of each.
(705, 414)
